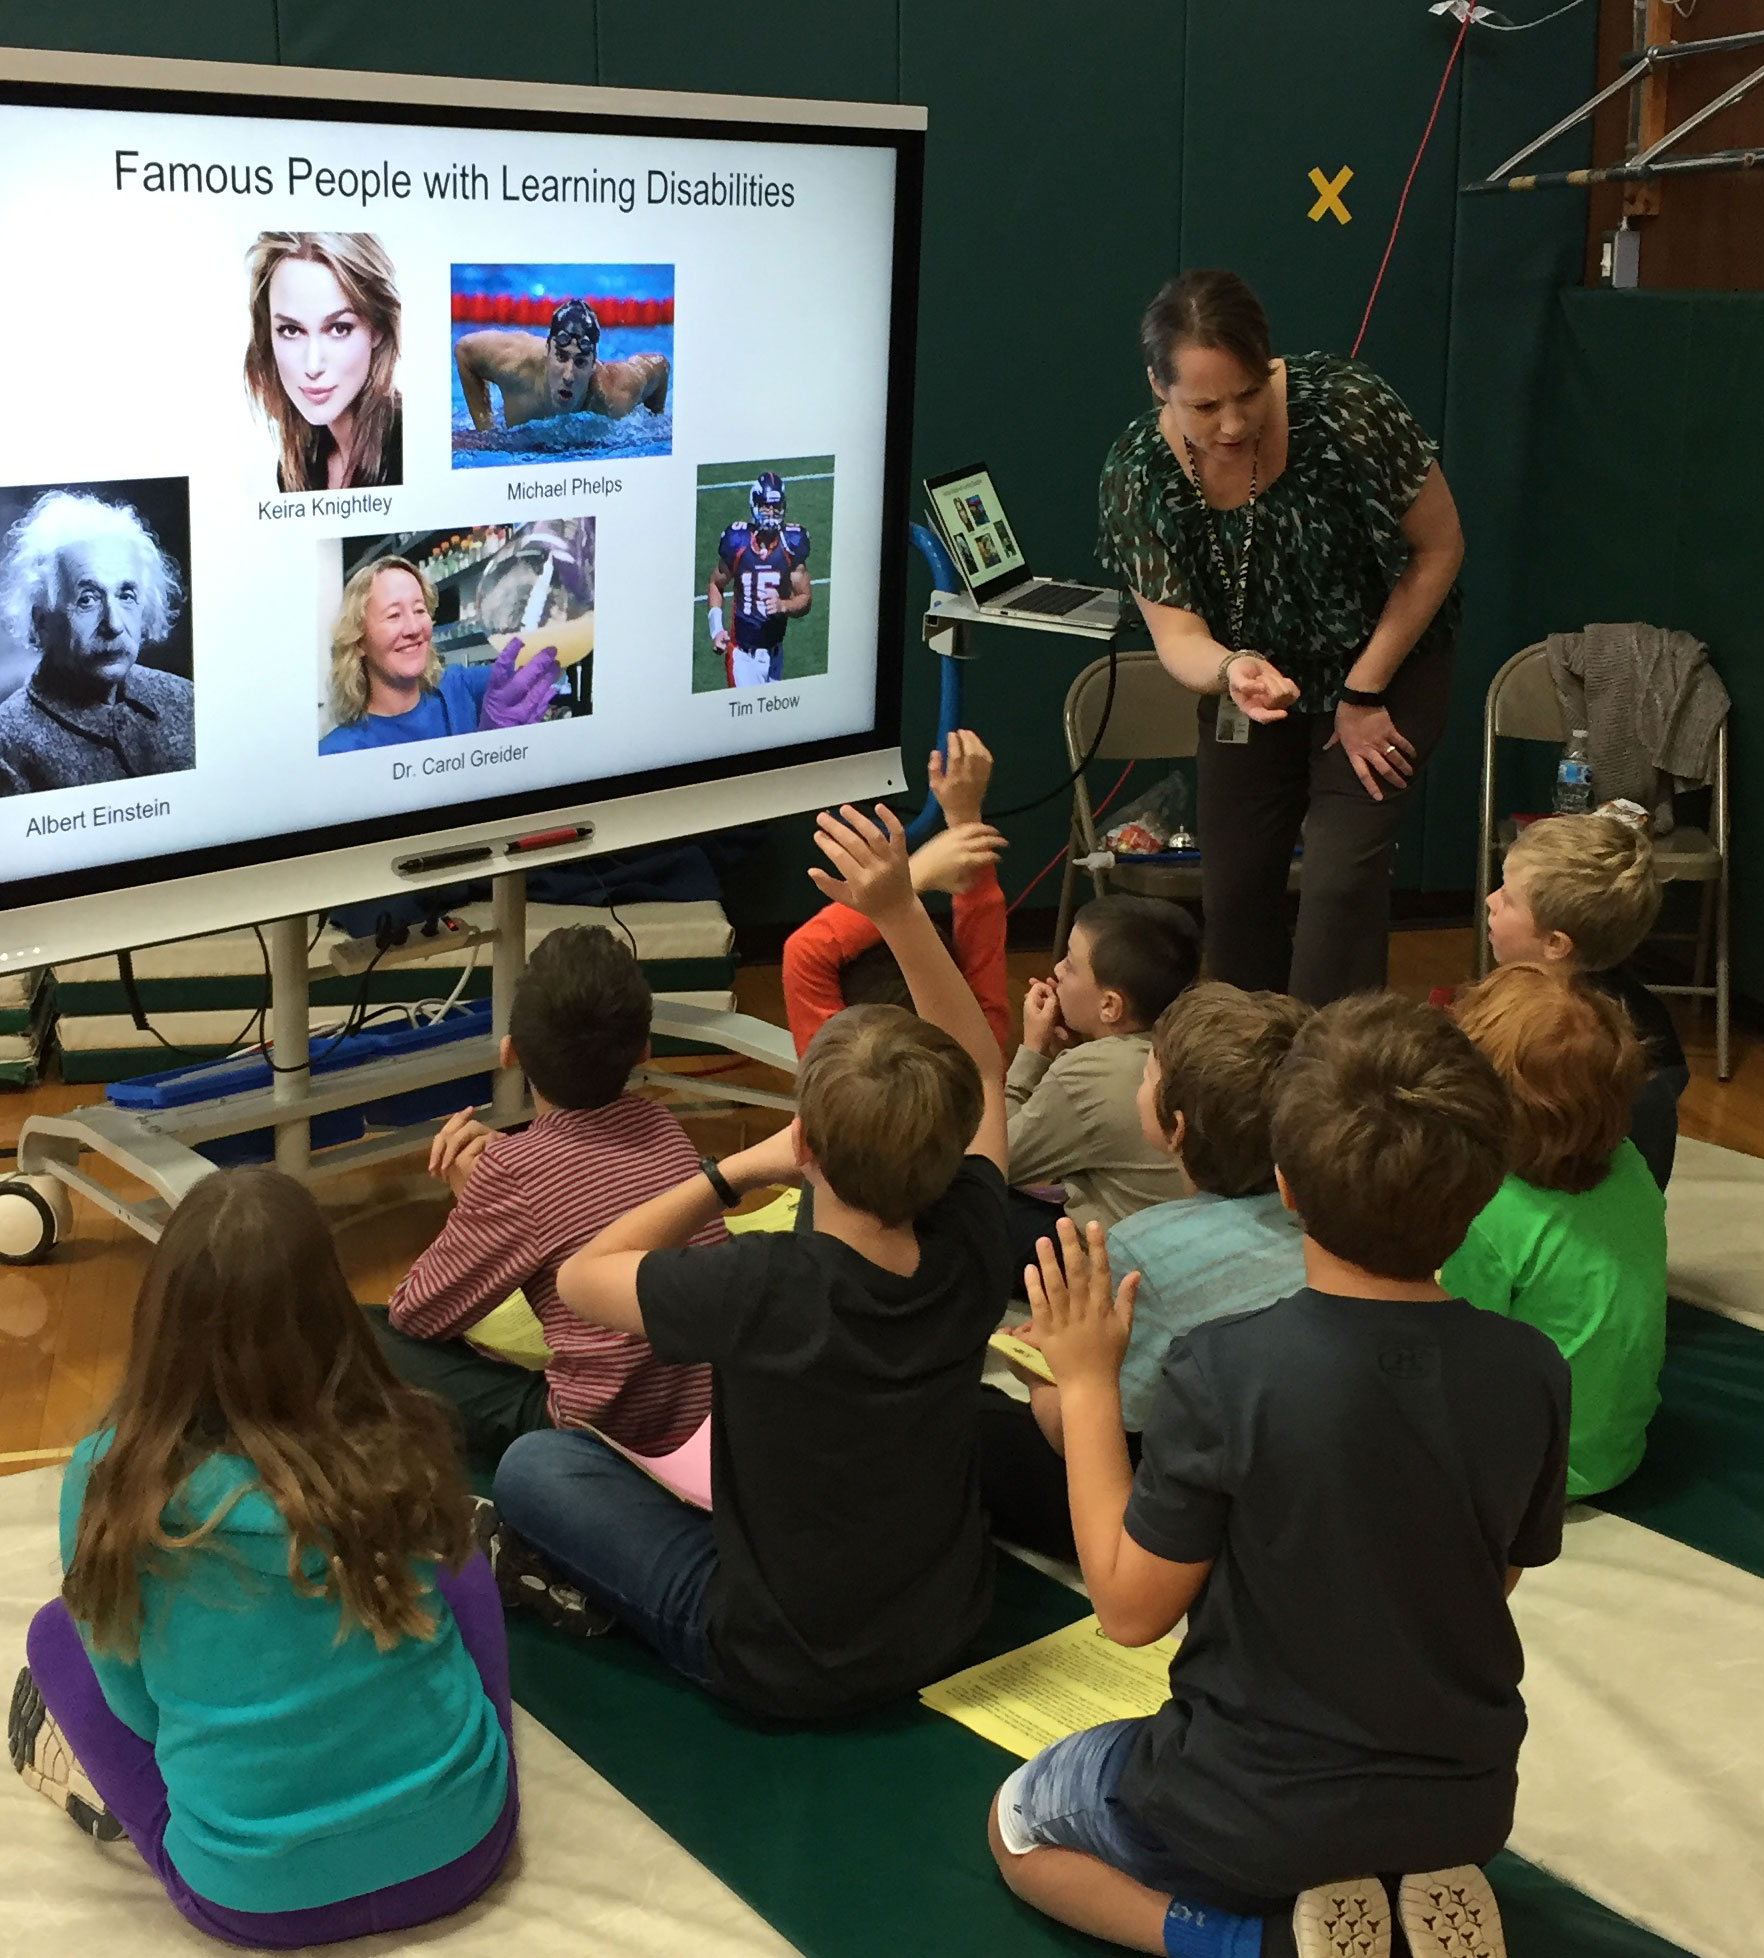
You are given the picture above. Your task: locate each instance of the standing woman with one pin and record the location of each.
(1293, 507)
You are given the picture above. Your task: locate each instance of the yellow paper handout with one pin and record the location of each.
(1077, 1677)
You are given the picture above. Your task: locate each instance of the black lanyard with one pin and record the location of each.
(1236, 588)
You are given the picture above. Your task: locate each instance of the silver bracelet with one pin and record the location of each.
(1224, 674)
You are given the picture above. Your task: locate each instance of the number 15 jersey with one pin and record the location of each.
(759, 570)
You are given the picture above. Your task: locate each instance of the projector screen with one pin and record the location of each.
(394, 468)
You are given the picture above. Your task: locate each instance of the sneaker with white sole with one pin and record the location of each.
(526, 1581)
(46, 1763)
(1343, 1920)
(1451, 1914)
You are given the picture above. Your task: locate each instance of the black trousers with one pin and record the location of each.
(1022, 1480)
(495, 1401)
(1252, 802)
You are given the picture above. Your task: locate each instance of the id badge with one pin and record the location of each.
(1233, 724)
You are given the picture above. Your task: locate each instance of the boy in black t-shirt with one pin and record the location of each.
(1340, 1491)
(845, 1560)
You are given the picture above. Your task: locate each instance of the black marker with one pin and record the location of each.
(441, 860)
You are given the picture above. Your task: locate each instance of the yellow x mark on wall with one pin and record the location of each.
(1329, 195)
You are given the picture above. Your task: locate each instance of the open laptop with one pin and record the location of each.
(971, 520)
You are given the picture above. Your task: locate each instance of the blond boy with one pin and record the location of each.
(1582, 890)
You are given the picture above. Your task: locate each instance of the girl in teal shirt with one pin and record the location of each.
(277, 1663)
(1574, 1241)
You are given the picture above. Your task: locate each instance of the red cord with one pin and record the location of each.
(1059, 855)
(1402, 202)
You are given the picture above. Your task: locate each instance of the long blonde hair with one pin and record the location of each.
(349, 680)
(358, 262)
(248, 1342)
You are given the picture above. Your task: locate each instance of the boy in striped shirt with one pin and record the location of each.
(522, 1203)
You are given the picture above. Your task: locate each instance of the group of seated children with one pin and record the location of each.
(1312, 1292)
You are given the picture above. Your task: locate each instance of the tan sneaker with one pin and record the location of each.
(1343, 1920)
(1451, 1914)
(43, 1758)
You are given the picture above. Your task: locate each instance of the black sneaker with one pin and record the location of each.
(43, 1758)
(525, 1581)
(1451, 1914)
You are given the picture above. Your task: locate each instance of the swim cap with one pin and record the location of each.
(575, 320)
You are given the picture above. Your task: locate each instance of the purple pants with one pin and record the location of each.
(121, 1766)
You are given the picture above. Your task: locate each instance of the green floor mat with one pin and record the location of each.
(870, 1841)
(1702, 1480)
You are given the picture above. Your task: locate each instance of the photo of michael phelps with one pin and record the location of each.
(555, 363)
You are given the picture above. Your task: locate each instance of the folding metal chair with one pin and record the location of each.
(1154, 718)
(1522, 706)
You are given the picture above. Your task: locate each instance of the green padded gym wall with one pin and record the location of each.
(1074, 160)
(1645, 487)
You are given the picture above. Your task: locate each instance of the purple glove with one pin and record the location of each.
(518, 699)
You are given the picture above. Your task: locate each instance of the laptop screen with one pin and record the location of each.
(974, 526)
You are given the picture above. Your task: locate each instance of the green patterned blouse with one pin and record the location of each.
(1328, 537)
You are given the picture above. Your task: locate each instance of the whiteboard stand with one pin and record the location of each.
(158, 1147)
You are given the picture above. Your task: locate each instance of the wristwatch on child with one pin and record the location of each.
(726, 1193)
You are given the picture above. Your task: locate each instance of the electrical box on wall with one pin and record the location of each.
(1620, 257)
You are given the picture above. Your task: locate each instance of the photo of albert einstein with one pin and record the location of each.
(94, 635)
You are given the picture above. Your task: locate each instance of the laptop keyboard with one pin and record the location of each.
(1054, 599)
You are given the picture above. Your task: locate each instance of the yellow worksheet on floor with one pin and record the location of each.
(1076, 1677)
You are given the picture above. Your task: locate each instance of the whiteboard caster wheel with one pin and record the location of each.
(34, 1213)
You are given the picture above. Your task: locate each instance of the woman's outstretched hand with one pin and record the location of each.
(1259, 687)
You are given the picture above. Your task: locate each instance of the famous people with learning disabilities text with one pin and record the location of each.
(387, 681)
(562, 374)
(323, 357)
(87, 585)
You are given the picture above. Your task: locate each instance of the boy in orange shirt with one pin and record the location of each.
(837, 959)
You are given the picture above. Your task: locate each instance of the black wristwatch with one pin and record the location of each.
(1359, 697)
(725, 1190)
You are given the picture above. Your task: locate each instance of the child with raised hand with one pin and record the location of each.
(1340, 1492)
(845, 1559)
(1574, 1240)
(838, 958)
(1086, 1033)
(277, 1663)
(1206, 1098)
(1581, 892)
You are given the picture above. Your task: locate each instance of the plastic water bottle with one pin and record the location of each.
(1574, 783)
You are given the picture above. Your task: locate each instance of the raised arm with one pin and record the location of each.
(873, 877)
(1082, 1331)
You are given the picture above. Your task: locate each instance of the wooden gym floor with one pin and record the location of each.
(64, 1324)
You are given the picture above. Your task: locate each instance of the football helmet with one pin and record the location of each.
(766, 501)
